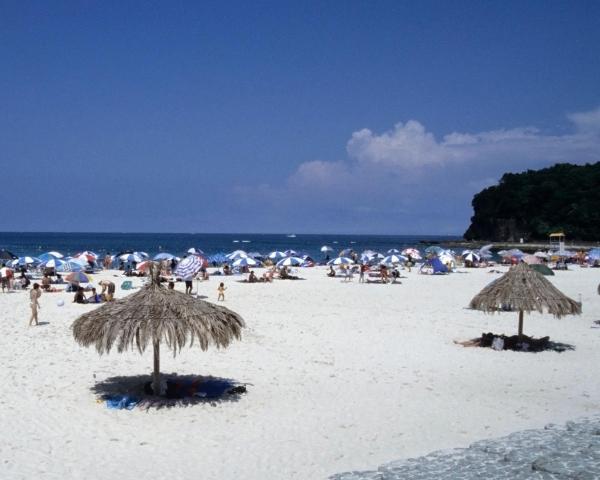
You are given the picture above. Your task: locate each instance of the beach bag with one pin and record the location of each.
(498, 343)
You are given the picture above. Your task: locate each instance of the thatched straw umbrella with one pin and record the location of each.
(155, 314)
(525, 290)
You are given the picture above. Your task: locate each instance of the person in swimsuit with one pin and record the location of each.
(34, 303)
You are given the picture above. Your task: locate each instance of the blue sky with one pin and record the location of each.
(324, 117)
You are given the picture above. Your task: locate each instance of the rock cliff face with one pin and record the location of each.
(532, 204)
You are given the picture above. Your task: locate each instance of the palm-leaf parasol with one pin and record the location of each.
(156, 314)
(525, 290)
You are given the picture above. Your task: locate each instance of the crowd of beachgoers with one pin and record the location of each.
(56, 271)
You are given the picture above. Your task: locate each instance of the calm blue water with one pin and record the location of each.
(178, 243)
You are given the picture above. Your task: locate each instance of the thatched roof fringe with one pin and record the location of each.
(522, 288)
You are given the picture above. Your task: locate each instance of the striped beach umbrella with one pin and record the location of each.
(79, 277)
(69, 266)
(195, 251)
(130, 257)
(245, 262)
(290, 262)
(236, 254)
(188, 267)
(276, 255)
(341, 261)
(412, 252)
(393, 260)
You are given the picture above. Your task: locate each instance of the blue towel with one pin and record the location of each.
(120, 402)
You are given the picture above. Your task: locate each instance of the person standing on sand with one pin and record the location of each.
(34, 296)
(221, 290)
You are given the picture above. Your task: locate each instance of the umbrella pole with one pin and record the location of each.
(520, 324)
(156, 376)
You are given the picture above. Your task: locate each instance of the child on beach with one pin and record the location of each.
(34, 296)
(221, 291)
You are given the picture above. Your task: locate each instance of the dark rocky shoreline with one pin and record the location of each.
(570, 451)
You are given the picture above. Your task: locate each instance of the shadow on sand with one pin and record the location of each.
(181, 390)
(524, 344)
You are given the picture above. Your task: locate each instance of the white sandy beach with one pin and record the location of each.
(340, 376)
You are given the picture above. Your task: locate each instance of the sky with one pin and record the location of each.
(286, 117)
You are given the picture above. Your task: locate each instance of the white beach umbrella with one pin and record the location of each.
(236, 254)
(195, 251)
(276, 255)
(56, 254)
(143, 255)
(130, 257)
(290, 262)
(412, 252)
(291, 253)
(341, 261)
(245, 262)
(393, 251)
(540, 254)
(326, 249)
(393, 260)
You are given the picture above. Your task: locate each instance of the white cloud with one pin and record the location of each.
(409, 146)
(407, 181)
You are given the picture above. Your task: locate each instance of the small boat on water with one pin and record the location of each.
(291, 236)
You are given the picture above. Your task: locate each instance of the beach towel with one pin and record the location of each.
(121, 402)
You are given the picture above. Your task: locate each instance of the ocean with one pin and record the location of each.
(36, 243)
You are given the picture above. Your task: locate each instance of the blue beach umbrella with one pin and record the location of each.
(27, 261)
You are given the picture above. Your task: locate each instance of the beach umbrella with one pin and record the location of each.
(393, 260)
(341, 261)
(69, 266)
(236, 254)
(514, 252)
(85, 257)
(130, 258)
(543, 269)
(155, 315)
(28, 261)
(276, 255)
(144, 255)
(524, 290)
(594, 254)
(470, 256)
(531, 259)
(6, 255)
(346, 252)
(539, 254)
(290, 253)
(143, 266)
(189, 266)
(217, 258)
(485, 251)
(412, 252)
(6, 272)
(393, 251)
(79, 277)
(44, 257)
(245, 262)
(164, 256)
(434, 250)
(290, 262)
(195, 251)
(326, 249)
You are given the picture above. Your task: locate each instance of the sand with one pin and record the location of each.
(341, 376)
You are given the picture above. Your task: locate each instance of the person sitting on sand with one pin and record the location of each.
(267, 276)
(171, 285)
(79, 296)
(252, 277)
(395, 275)
(46, 282)
(331, 272)
(108, 290)
(95, 297)
(226, 270)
